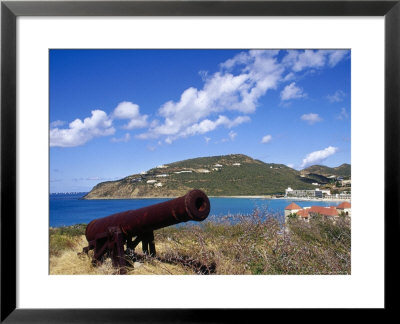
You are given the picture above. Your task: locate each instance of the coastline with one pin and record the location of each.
(239, 197)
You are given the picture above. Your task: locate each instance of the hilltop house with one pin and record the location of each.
(151, 181)
(203, 171)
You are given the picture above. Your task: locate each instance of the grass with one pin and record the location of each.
(256, 244)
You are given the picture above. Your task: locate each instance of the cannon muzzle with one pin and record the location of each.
(112, 232)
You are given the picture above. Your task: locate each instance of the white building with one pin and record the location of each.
(344, 207)
(204, 171)
(236, 164)
(292, 209)
(289, 192)
(162, 175)
(158, 184)
(151, 181)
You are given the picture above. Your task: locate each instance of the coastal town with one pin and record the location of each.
(293, 210)
(306, 213)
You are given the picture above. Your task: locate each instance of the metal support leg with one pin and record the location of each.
(152, 245)
(118, 256)
(148, 243)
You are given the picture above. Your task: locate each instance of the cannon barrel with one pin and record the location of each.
(195, 205)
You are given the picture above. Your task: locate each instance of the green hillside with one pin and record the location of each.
(343, 170)
(226, 175)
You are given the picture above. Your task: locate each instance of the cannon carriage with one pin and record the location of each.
(109, 235)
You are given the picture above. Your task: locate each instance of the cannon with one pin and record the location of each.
(110, 234)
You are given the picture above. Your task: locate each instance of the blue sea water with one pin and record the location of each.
(69, 209)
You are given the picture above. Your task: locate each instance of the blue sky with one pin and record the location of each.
(118, 112)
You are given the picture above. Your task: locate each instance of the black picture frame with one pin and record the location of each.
(10, 10)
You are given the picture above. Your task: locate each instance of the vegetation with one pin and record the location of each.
(256, 244)
(65, 238)
(343, 170)
(237, 175)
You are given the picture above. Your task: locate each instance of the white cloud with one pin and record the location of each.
(336, 56)
(266, 139)
(208, 125)
(318, 156)
(300, 60)
(311, 118)
(290, 165)
(290, 76)
(307, 59)
(125, 139)
(129, 110)
(337, 96)
(207, 139)
(291, 91)
(343, 114)
(232, 135)
(57, 123)
(203, 74)
(222, 91)
(78, 133)
(236, 88)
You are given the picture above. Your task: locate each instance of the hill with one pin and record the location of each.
(343, 170)
(225, 175)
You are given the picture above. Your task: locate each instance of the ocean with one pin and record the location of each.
(68, 209)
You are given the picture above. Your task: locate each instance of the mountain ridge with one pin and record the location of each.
(221, 175)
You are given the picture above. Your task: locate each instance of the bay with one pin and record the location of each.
(69, 209)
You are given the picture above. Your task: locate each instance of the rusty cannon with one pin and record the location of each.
(108, 235)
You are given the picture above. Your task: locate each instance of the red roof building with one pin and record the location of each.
(324, 211)
(303, 213)
(344, 205)
(292, 206)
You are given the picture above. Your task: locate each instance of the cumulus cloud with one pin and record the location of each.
(206, 126)
(337, 96)
(99, 124)
(236, 88)
(266, 139)
(300, 60)
(343, 114)
(311, 118)
(79, 132)
(222, 91)
(125, 139)
(225, 99)
(334, 57)
(232, 135)
(291, 91)
(57, 123)
(318, 156)
(130, 111)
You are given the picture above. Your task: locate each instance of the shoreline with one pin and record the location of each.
(239, 197)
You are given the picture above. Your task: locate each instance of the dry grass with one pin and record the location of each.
(255, 244)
